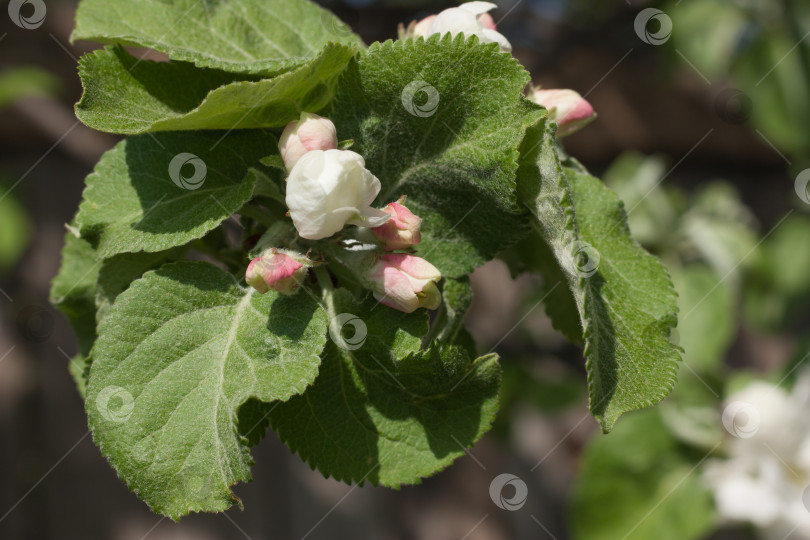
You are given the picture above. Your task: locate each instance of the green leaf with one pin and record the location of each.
(132, 204)
(242, 36)
(532, 254)
(178, 354)
(125, 95)
(73, 290)
(79, 369)
(455, 154)
(383, 411)
(624, 295)
(457, 296)
(638, 484)
(85, 288)
(117, 273)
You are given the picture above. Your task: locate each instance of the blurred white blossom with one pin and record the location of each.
(766, 473)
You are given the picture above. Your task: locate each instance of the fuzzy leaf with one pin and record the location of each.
(385, 412)
(178, 354)
(441, 121)
(73, 290)
(132, 204)
(126, 95)
(624, 295)
(242, 36)
(117, 273)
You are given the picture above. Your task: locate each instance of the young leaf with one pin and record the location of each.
(141, 197)
(440, 121)
(381, 410)
(625, 298)
(125, 95)
(178, 354)
(242, 36)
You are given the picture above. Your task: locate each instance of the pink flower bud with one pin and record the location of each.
(566, 107)
(401, 231)
(422, 28)
(487, 21)
(310, 132)
(277, 271)
(405, 282)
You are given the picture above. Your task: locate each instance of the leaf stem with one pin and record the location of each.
(325, 281)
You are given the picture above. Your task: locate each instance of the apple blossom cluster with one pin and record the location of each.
(765, 478)
(566, 107)
(327, 189)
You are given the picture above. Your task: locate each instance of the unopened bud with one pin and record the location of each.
(405, 282)
(277, 270)
(401, 231)
(570, 110)
(310, 132)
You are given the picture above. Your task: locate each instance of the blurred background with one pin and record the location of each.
(703, 130)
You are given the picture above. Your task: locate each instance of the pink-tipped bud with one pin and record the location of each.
(487, 21)
(566, 107)
(310, 132)
(277, 271)
(422, 28)
(405, 282)
(401, 231)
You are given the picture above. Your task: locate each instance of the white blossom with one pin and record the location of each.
(328, 189)
(470, 19)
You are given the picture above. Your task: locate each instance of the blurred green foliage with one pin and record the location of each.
(760, 47)
(728, 274)
(15, 228)
(21, 82)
